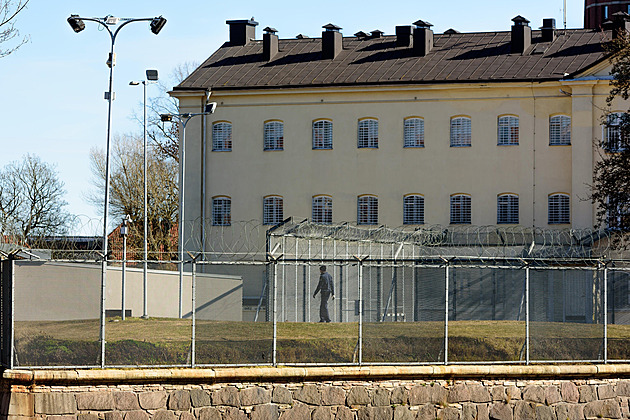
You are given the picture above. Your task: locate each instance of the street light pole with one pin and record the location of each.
(152, 77)
(77, 24)
(183, 120)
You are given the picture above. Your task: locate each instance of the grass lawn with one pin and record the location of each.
(157, 341)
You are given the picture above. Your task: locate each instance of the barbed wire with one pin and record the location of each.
(301, 239)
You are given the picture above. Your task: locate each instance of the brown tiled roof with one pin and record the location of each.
(458, 57)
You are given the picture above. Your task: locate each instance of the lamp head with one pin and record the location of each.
(157, 24)
(166, 117)
(76, 23)
(152, 75)
(134, 83)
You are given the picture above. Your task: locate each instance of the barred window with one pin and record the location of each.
(273, 210)
(615, 137)
(274, 135)
(559, 209)
(560, 130)
(322, 209)
(221, 211)
(367, 210)
(413, 209)
(508, 130)
(460, 209)
(368, 133)
(460, 132)
(507, 209)
(618, 212)
(322, 134)
(414, 132)
(221, 137)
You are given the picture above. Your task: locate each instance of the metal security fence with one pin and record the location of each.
(430, 296)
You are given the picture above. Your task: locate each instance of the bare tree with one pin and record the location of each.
(9, 9)
(165, 137)
(31, 199)
(127, 193)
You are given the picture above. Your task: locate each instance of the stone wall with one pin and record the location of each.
(313, 397)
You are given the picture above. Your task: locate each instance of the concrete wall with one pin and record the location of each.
(352, 393)
(54, 291)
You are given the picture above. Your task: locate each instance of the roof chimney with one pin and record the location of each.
(619, 22)
(270, 43)
(422, 38)
(521, 35)
(242, 31)
(548, 30)
(403, 36)
(332, 41)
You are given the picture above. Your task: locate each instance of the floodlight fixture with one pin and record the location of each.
(157, 24)
(134, 83)
(210, 108)
(152, 75)
(76, 23)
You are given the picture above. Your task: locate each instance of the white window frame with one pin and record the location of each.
(507, 209)
(322, 134)
(222, 136)
(560, 130)
(273, 209)
(413, 209)
(221, 211)
(413, 128)
(461, 131)
(461, 209)
(558, 209)
(273, 135)
(322, 209)
(367, 210)
(367, 133)
(613, 141)
(508, 130)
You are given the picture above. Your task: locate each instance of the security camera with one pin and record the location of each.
(211, 107)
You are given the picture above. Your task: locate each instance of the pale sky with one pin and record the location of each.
(51, 90)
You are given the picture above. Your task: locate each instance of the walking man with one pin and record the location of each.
(327, 289)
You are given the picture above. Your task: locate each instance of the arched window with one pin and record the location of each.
(413, 209)
(322, 209)
(274, 135)
(322, 134)
(414, 132)
(559, 130)
(221, 136)
(367, 210)
(460, 132)
(559, 209)
(507, 209)
(221, 211)
(508, 130)
(368, 133)
(461, 209)
(273, 210)
(615, 137)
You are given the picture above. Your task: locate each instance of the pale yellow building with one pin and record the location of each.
(409, 129)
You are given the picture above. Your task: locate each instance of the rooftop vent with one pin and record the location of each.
(422, 38)
(270, 43)
(403, 36)
(451, 31)
(301, 36)
(242, 31)
(332, 41)
(376, 33)
(548, 30)
(521, 35)
(618, 23)
(361, 35)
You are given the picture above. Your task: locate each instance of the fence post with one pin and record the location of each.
(605, 314)
(446, 313)
(360, 358)
(275, 312)
(527, 314)
(194, 311)
(103, 303)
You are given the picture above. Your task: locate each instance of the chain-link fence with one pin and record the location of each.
(431, 296)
